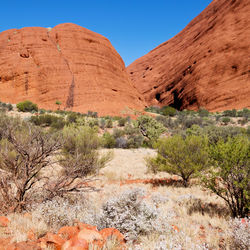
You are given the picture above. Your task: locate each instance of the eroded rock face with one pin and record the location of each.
(205, 65)
(68, 63)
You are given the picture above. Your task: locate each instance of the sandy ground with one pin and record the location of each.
(129, 164)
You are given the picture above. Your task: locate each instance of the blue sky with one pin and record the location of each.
(134, 27)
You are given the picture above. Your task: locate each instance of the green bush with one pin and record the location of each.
(230, 172)
(230, 113)
(153, 109)
(244, 113)
(26, 106)
(108, 140)
(122, 121)
(226, 120)
(109, 123)
(149, 128)
(185, 157)
(9, 107)
(168, 111)
(165, 121)
(203, 112)
(72, 117)
(48, 120)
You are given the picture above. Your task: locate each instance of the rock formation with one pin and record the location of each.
(68, 63)
(205, 65)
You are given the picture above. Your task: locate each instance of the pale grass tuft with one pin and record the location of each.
(20, 225)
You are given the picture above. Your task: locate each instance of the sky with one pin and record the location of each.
(134, 27)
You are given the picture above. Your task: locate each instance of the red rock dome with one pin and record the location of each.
(68, 63)
(205, 65)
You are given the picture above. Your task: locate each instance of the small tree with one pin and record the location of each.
(149, 128)
(24, 152)
(185, 157)
(168, 111)
(230, 174)
(58, 103)
(79, 160)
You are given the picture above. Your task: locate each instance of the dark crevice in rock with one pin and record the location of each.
(26, 84)
(71, 92)
(178, 102)
(158, 96)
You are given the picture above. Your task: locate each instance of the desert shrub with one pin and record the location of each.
(244, 113)
(134, 136)
(109, 123)
(118, 132)
(24, 151)
(92, 114)
(9, 107)
(132, 215)
(57, 212)
(230, 113)
(153, 109)
(240, 232)
(185, 157)
(149, 128)
(26, 106)
(122, 121)
(91, 122)
(214, 133)
(121, 142)
(168, 111)
(243, 121)
(226, 120)
(48, 120)
(229, 176)
(72, 117)
(42, 111)
(102, 123)
(190, 121)
(203, 112)
(165, 121)
(108, 140)
(79, 159)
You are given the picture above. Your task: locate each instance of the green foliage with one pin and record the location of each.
(203, 112)
(109, 123)
(80, 157)
(48, 120)
(230, 113)
(58, 102)
(153, 109)
(244, 113)
(184, 157)
(42, 111)
(149, 128)
(166, 121)
(92, 114)
(108, 140)
(214, 133)
(26, 106)
(72, 117)
(122, 121)
(168, 111)
(226, 120)
(230, 174)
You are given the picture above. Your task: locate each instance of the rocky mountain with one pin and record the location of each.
(206, 65)
(68, 63)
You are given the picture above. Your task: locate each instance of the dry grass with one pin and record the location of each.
(195, 224)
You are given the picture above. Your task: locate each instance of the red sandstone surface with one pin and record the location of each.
(79, 237)
(68, 63)
(205, 65)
